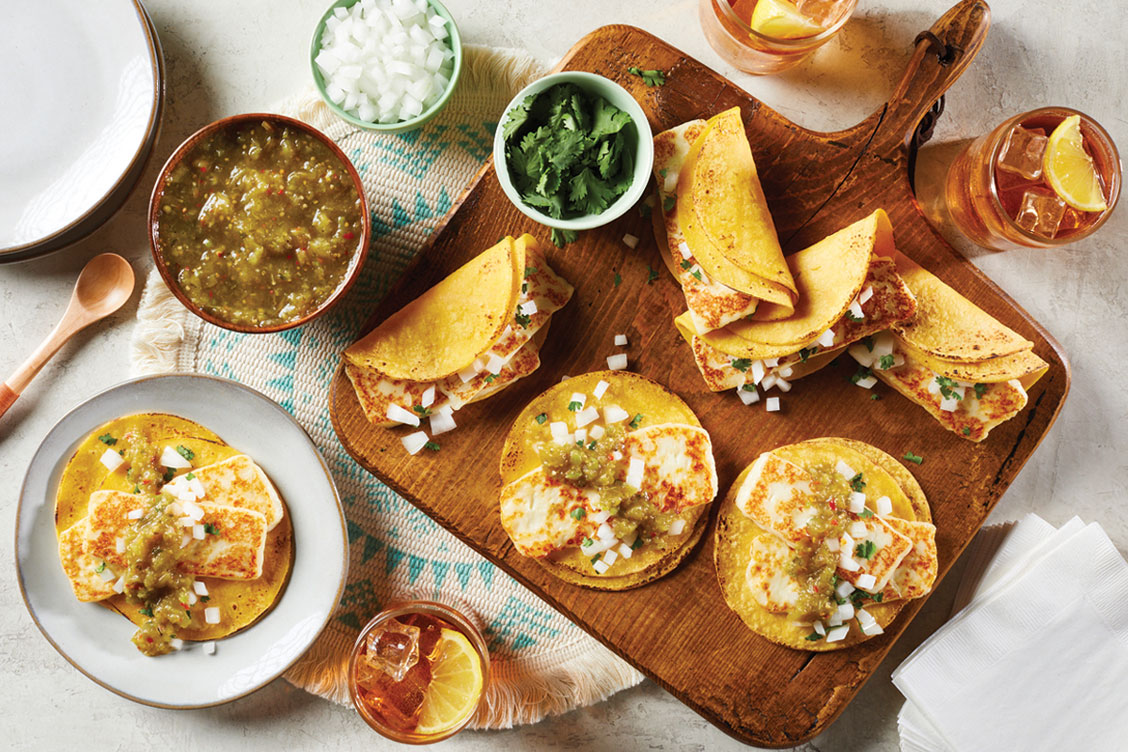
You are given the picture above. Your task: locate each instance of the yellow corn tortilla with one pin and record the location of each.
(1023, 365)
(736, 534)
(725, 217)
(446, 328)
(635, 394)
(241, 602)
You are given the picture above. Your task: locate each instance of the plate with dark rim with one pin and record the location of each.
(96, 640)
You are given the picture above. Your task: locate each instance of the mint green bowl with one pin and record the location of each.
(455, 41)
(643, 150)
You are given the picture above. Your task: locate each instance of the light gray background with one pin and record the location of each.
(226, 57)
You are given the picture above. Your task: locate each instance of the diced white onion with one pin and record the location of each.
(769, 381)
(580, 436)
(209, 647)
(193, 510)
(176, 643)
(832, 545)
(186, 521)
(172, 458)
(884, 506)
(844, 588)
(211, 615)
(683, 249)
(844, 470)
(872, 629)
(200, 587)
(399, 414)
(882, 344)
(626, 551)
(758, 371)
(865, 582)
(846, 562)
(106, 574)
(495, 363)
(600, 517)
(119, 586)
(857, 501)
(635, 470)
(616, 455)
(783, 386)
(620, 340)
(771, 362)
(826, 339)
(865, 294)
(586, 416)
(862, 354)
(845, 611)
(192, 599)
(112, 460)
(136, 514)
(630, 241)
(617, 362)
(577, 397)
(601, 566)
(610, 556)
(470, 372)
(428, 397)
(748, 396)
(198, 532)
(771, 404)
(442, 421)
(858, 529)
(785, 372)
(600, 389)
(864, 617)
(949, 404)
(837, 634)
(119, 545)
(614, 414)
(934, 386)
(596, 432)
(197, 487)
(528, 308)
(677, 526)
(819, 628)
(560, 432)
(867, 383)
(413, 442)
(856, 311)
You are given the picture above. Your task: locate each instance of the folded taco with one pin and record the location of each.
(606, 479)
(819, 544)
(472, 334)
(848, 288)
(713, 226)
(954, 359)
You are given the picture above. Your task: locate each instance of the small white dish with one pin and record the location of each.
(97, 641)
(82, 94)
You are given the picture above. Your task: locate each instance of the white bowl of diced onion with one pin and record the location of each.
(386, 65)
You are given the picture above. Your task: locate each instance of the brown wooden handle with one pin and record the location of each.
(941, 56)
(7, 397)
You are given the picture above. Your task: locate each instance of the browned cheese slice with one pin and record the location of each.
(768, 579)
(239, 482)
(776, 495)
(888, 549)
(917, 571)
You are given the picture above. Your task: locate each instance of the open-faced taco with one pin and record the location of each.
(819, 544)
(606, 479)
(160, 520)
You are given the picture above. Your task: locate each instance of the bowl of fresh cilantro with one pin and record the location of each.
(573, 152)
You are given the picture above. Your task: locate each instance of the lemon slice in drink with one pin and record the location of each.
(782, 20)
(1070, 171)
(456, 685)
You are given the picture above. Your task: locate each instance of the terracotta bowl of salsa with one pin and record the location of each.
(259, 223)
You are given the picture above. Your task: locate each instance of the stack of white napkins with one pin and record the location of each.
(1037, 660)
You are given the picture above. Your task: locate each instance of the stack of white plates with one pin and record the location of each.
(82, 95)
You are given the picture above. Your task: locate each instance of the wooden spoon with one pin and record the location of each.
(103, 286)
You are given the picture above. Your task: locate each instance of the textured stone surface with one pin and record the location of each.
(223, 58)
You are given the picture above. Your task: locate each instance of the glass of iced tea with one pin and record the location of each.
(769, 36)
(1041, 179)
(418, 671)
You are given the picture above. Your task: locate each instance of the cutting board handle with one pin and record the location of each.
(941, 55)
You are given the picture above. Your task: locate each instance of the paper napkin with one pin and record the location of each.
(1039, 657)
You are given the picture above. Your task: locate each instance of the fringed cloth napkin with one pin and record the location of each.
(541, 664)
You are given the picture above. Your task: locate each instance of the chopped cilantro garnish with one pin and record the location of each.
(741, 364)
(649, 77)
(524, 287)
(966, 431)
(137, 489)
(432, 445)
(857, 483)
(107, 439)
(568, 153)
(169, 474)
(424, 412)
(866, 514)
(662, 172)
(574, 406)
(885, 363)
(522, 319)
(580, 443)
(205, 598)
(490, 377)
(806, 352)
(185, 452)
(651, 275)
(618, 279)
(541, 418)
(596, 558)
(697, 273)
(861, 373)
(748, 388)
(121, 452)
(529, 270)
(980, 390)
(913, 457)
(147, 611)
(668, 203)
(189, 476)
(578, 513)
(865, 549)
(637, 543)
(636, 421)
(211, 529)
(644, 209)
(948, 387)
(587, 543)
(591, 444)
(850, 315)
(875, 396)
(561, 238)
(100, 568)
(813, 636)
(686, 263)
(868, 342)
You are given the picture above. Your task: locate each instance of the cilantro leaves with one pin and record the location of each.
(913, 457)
(561, 238)
(569, 153)
(649, 77)
(865, 549)
(107, 439)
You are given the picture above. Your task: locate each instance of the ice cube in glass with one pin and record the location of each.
(1022, 154)
(822, 12)
(393, 649)
(1041, 212)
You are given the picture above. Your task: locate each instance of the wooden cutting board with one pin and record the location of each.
(678, 630)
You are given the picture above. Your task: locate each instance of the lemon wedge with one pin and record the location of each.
(456, 685)
(782, 20)
(1070, 170)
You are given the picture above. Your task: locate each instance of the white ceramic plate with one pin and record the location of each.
(96, 640)
(81, 93)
